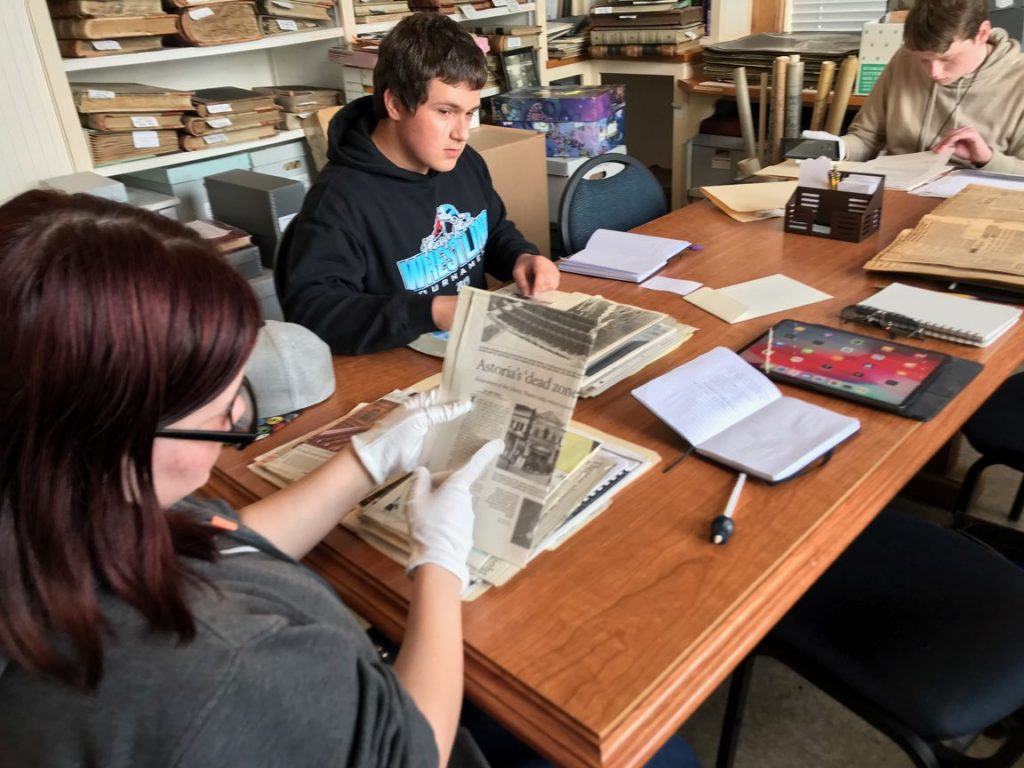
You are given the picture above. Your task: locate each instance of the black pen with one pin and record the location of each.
(678, 460)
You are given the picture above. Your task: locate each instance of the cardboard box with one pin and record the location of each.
(878, 42)
(165, 205)
(185, 182)
(560, 169)
(516, 162)
(578, 121)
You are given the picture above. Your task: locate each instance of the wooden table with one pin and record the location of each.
(599, 651)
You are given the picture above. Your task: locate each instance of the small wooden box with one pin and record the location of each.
(849, 216)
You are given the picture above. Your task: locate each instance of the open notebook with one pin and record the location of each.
(946, 316)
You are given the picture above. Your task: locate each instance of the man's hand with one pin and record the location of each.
(966, 144)
(442, 311)
(535, 274)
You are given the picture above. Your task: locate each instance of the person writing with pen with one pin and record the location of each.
(955, 85)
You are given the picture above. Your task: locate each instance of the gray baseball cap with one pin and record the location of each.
(290, 368)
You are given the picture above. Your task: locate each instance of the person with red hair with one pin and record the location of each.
(139, 626)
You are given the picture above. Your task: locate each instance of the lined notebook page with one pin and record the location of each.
(945, 316)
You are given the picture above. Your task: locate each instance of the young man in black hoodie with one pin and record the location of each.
(404, 213)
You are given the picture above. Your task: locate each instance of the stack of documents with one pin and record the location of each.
(751, 202)
(955, 181)
(976, 235)
(902, 172)
(622, 255)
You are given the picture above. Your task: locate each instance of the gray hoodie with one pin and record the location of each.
(279, 674)
(908, 112)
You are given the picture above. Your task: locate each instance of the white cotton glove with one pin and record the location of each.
(826, 136)
(441, 519)
(394, 443)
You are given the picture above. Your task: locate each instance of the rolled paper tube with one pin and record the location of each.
(739, 77)
(828, 72)
(762, 117)
(794, 88)
(841, 97)
(778, 106)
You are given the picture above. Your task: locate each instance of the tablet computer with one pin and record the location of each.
(846, 363)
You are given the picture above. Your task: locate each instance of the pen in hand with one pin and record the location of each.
(722, 526)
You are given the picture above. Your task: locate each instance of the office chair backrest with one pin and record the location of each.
(619, 201)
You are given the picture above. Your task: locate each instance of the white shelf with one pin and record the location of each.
(459, 15)
(177, 158)
(179, 54)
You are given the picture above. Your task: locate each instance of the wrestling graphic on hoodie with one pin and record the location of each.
(454, 246)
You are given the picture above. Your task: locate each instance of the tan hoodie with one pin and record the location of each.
(905, 111)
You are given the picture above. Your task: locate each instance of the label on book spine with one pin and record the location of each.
(288, 25)
(106, 45)
(283, 3)
(216, 109)
(219, 122)
(145, 139)
(144, 121)
(100, 94)
(200, 13)
(215, 138)
(515, 42)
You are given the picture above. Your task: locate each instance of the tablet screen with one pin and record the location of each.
(845, 361)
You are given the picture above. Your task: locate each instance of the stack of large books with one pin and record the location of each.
(300, 101)
(283, 17)
(465, 9)
(278, 16)
(87, 28)
(229, 115)
(376, 11)
(125, 121)
(216, 23)
(757, 53)
(644, 28)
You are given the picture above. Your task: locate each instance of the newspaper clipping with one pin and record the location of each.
(521, 362)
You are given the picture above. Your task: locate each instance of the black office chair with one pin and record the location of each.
(996, 431)
(618, 201)
(916, 629)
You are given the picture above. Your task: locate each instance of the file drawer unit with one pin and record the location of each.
(261, 204)
(713, 160)
(289, 161)
(185, 182)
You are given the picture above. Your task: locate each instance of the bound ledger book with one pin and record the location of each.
(732, 413)
(227, 99)
(128, 97)
(945, 316)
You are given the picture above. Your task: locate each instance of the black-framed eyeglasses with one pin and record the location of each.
(243, 429)
(892, 322)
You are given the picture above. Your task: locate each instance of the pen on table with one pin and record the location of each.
(768, 350)
(722, 526)
(678, 459)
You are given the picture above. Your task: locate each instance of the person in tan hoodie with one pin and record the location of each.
(956, 83)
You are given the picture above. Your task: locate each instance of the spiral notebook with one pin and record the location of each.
(946, 316)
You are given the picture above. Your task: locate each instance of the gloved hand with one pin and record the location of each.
(441, 519)
(826, 136)
(394, 443)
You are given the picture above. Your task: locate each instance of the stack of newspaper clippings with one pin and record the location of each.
(522, 363)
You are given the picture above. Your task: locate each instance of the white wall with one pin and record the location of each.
(32, 145)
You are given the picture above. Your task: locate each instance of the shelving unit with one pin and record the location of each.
(168, 55)
(294, 57)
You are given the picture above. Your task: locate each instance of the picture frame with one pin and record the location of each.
(519, 68)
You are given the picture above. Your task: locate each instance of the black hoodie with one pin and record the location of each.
(374, 243)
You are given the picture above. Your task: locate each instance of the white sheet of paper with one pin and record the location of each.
(671, 285)
(754, 298)
(814, 173)
(951, 183)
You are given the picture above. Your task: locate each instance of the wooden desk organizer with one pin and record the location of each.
(849, 216)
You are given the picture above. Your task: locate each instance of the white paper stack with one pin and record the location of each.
(622, 255)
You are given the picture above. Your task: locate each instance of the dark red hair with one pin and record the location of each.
(114, 321)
